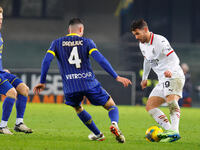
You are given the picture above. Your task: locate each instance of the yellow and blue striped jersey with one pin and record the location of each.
(72, 53)
(1, 49)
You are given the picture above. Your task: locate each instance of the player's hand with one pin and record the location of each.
(143, 84)
(39, 88)
(6, 70)
(168, 74)
(124, 81)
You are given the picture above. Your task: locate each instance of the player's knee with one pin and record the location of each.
(12, 93)
(23, 89)
(109, 103)
(26, 91)
(149, 107)
(172, 97)
(154, 102)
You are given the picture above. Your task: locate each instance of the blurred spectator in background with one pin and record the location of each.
(186, 100)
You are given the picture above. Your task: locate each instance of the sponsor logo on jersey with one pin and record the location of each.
(79, 75)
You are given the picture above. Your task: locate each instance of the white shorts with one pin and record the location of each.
(168, 87)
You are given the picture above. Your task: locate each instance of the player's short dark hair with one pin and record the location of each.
(74, 21)
(138, 24)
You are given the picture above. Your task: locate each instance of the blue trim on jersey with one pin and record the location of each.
(103, 62)
(45, 66)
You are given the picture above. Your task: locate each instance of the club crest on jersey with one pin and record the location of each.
(154, 62)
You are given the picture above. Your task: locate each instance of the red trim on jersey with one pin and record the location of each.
(152, 35)
(170, 52)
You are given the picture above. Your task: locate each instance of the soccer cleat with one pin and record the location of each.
(5, 130)
(169, 139)
(118, 134)
(22, 128)
(169, 136)
(94, 137)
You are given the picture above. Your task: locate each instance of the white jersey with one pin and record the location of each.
(160, 56)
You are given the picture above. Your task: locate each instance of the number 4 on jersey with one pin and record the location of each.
(74, 58)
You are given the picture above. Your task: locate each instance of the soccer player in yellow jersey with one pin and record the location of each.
(73, 53)
(14, 90)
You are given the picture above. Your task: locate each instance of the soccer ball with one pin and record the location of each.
(151, 134)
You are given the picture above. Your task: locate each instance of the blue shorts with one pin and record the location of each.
(96, 96)
(5, 85)
(8, 81)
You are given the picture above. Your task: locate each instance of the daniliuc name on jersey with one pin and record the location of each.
(72, 52)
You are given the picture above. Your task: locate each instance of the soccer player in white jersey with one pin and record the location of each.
(161, 57)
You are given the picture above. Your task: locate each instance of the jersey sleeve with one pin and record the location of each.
(103, 62)
(146, 69)
(47, 61)
(52, 48)
(91, 46)
(45, 66)
(166, 48)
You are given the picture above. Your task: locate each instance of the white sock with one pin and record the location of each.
(115, 123)
(99, 134)
(19, 120)
(174, 115)
(160, 118)
(3, 123)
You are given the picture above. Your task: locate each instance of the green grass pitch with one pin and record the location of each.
(57, 127)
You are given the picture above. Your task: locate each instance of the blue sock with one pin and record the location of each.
(21, 105)
(87, 120)
(113, 114)
(7, 108)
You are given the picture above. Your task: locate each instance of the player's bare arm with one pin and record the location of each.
(124, 81)
(143, 84)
